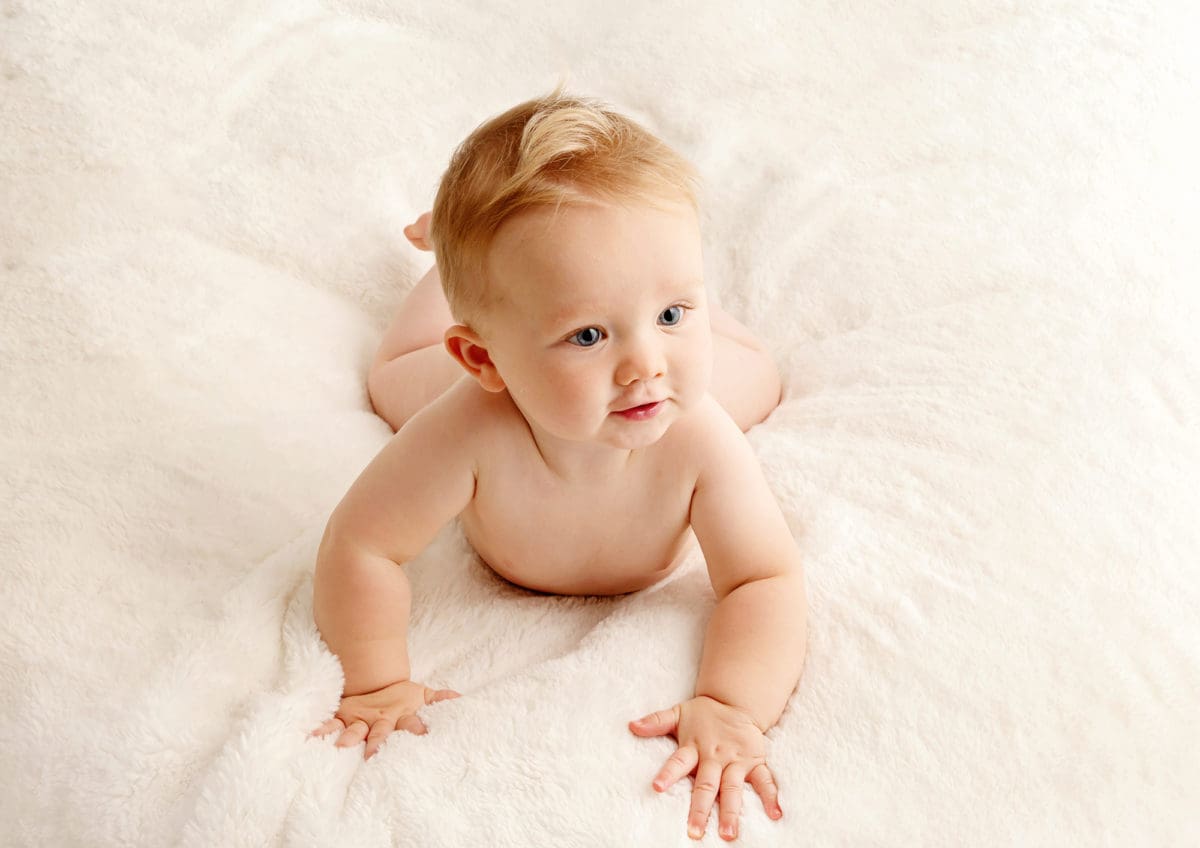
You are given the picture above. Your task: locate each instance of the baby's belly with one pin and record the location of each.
(574, 563)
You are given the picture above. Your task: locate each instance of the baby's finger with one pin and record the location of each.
(678, 764)
(658, 723)
(433, 696)
(328, 727)
(380, 730)
(354, 733)
(730, 801)
(763, 781)
(708, 778)
(412, 724)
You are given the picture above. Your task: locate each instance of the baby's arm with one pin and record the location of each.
(755, 645)
(757, 637)
(421, 479)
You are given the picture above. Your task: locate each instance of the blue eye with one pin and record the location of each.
(671, 316)
(586, 337)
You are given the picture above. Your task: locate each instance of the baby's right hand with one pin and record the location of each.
(374, 715)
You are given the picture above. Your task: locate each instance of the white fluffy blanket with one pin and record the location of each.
(966, 230)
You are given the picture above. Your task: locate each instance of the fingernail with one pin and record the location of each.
(694, 832)
(727, 830)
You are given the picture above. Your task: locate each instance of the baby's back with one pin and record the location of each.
(598, 535)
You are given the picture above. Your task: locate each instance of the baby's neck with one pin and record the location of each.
(580, 461)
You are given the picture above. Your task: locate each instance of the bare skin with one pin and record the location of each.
(560, 488)
(412, 366)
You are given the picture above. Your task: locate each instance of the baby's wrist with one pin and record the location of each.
(763, 726)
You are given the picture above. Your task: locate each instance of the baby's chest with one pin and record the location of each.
(591, 539)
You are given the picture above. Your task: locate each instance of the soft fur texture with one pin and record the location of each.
(966, 230)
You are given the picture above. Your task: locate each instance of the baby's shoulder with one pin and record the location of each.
(704, 435)
(706, 424)
(471, 415)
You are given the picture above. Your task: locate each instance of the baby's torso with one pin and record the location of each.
(598, 537)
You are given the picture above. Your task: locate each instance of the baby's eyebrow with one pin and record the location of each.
(579, 315)
(568, 317)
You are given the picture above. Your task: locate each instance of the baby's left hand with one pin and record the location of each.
(725, 748)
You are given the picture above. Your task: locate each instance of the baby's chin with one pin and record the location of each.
(616, 432)
(634, 442)
(631, 435)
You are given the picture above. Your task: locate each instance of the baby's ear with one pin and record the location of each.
(466, 346)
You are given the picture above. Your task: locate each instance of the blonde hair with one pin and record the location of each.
(547, 151)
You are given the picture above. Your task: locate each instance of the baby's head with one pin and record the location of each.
(568, 243)
(544, 153)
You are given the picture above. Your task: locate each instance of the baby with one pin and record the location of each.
(598, 424)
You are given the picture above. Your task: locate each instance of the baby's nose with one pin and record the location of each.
(641, 362)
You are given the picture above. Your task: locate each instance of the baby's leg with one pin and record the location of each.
(745, 378)
(412, 367)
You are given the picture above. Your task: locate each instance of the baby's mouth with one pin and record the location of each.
(640, 412)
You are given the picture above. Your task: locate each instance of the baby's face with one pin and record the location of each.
(601, 309)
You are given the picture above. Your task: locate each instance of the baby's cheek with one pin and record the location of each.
(704, 353)
(697, 371)
(569, 394)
